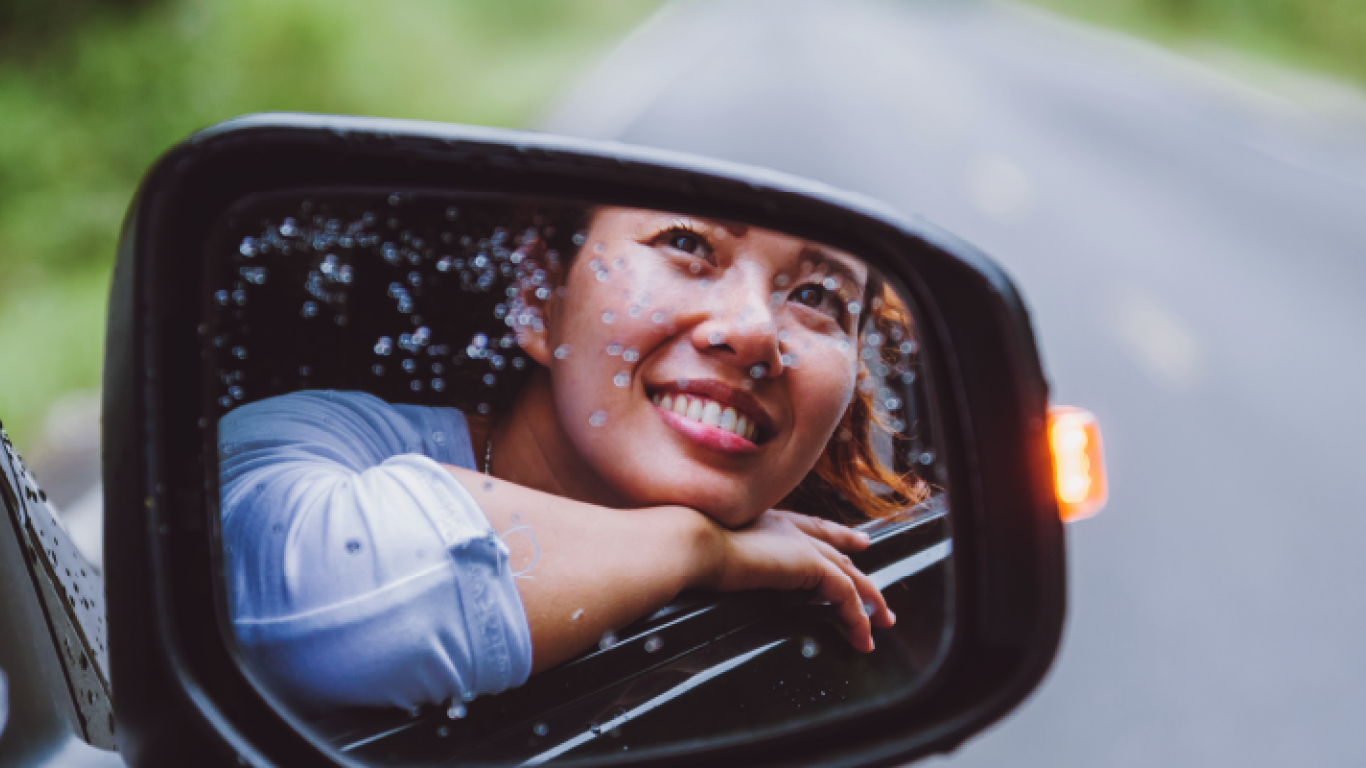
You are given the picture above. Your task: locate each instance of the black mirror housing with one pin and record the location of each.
(181, 696)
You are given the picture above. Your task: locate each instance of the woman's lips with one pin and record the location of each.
(709, 435)
(708, 412)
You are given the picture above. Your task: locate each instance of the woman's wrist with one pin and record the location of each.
(703, 546)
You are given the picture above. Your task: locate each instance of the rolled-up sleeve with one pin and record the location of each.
(361, 572)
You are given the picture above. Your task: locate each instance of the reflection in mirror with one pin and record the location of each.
(517, 481)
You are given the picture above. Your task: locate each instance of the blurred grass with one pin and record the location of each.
(91, 93)
(1323, 36)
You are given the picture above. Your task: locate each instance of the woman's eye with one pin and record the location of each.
(810, 295)
(687, 242)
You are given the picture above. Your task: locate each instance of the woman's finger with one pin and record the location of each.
(869, 595)
(837, 588)
(838, 536)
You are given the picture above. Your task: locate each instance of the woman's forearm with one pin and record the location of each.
(586, 570)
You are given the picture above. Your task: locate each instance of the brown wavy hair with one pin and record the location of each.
(849, 472)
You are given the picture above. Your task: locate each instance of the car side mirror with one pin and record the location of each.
(307, 299)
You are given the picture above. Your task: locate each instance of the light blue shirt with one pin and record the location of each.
(360, 571)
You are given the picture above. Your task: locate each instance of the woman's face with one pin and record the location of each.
(702, 363)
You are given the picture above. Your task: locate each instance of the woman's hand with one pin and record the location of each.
(786, 550)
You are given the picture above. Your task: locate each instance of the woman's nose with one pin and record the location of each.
(743, 328)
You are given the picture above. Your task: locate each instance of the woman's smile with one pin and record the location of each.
(713, 415)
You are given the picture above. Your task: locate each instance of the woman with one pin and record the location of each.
(690, 376)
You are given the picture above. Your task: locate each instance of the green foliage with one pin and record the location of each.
(1324, 35)
(91, 93)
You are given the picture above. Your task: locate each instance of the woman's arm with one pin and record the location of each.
(586, 569)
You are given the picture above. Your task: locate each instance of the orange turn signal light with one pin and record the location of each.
(1078, 462)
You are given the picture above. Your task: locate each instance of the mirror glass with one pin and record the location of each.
(514, 480)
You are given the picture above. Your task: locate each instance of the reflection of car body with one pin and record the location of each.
(798, 667)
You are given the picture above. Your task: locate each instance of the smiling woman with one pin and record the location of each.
(592, 411)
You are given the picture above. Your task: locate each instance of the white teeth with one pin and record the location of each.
(727, 421)
(695, 407)
(709, 412)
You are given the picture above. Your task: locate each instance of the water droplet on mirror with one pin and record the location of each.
(908, 347)
(831, 283)
(788, 360)
(438, 385)
(540, 729)
(891, 403)
(654, 644)
(598, 418)
(758, 371)
(810, 648)
(657, 317)
(614, 349)
(622, 379)
(855, 308)
(630, 355)
(562, 351)
(353, 546)
(609, 317)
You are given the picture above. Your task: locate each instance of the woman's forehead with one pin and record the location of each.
(640, 222)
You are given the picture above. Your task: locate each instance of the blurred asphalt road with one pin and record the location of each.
(1194, 253)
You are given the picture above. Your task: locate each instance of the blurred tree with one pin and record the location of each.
(91, 92)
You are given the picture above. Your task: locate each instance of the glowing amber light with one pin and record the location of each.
(1078, 462)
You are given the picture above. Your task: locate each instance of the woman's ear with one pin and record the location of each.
(533, 308)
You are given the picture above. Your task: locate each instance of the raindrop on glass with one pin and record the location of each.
(309, 309)
(438, 385)
(654, 644)
(239, 352)
(378, 369)
(657, 317)
(614, 349)
(810, 647)
(780, 281)
(609, 639)
(630, 355)
(788, 361)
(353, 546)
(855, 308)
(758, 371)
(622, 379)
(715, 338)
(562, 351)
(830, 283)
(540, 729)
(907, 347)
(598, 418)
(908, 377)
(695, 267)
(609, 317)
(384, 346)
(456, 711)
